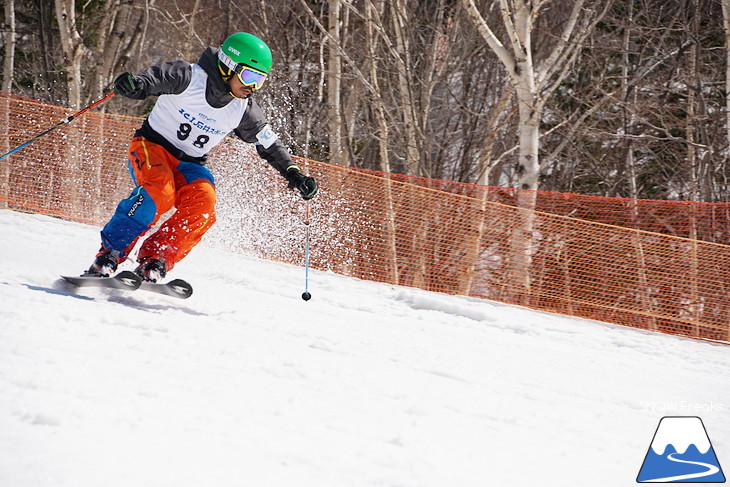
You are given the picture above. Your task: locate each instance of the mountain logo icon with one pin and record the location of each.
(681, 452)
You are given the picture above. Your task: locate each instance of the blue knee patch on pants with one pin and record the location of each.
(192, 171)
(132, 218)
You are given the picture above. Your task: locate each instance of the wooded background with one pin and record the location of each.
(606, 97)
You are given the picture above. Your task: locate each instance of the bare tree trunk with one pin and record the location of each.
(225, 27)
(9, 37)
(338, 152)
(73, 48)
(629, 120)
(8, 73)
(502, 112)
(528, 169)
(350, 113)
(403, 68)
(628, 115)
(143, 34)
(693, 83)
(726, 26)
(436, 66)
(190, 49)
(473, 245)
(112, 43)
(371, 11)
(5, 148)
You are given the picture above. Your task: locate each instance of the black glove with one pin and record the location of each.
(306, 185)
(127, 85)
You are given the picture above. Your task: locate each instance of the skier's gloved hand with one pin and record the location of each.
(127, 85)
(306, 185)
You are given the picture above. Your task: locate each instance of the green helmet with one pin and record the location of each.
(246, 49)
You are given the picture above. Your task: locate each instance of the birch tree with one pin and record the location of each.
(533, 83)
(334, 87)
(401, 52)
(726, 26)
(9, 38)
(7, 85)
(73, 49)
(116, 42)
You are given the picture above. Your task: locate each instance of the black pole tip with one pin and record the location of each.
(306, 296)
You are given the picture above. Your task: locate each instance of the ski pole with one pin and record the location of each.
(305, 295)
(65, 120)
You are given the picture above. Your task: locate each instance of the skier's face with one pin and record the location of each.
(237, 88)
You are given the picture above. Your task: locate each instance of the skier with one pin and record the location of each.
(198, 105)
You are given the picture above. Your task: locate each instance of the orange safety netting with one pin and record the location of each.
(656, 265)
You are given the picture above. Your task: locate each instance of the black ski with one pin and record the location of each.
(176, 288)
(124, 280)
(129, 281)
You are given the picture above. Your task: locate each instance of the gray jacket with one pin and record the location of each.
(174, 77)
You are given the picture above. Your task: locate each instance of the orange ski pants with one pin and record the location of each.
(163, 182)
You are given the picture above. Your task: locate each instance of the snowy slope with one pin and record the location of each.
(367, 384)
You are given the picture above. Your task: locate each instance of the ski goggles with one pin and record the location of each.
(250, 77)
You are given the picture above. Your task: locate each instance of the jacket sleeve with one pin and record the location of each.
(168, 78)
(255, 129)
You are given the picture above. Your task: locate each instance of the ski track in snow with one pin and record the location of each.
(365, 385)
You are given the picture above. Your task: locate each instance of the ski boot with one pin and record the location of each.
(104, 265)
(151, 270)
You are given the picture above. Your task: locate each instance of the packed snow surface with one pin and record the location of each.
(367, 384)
